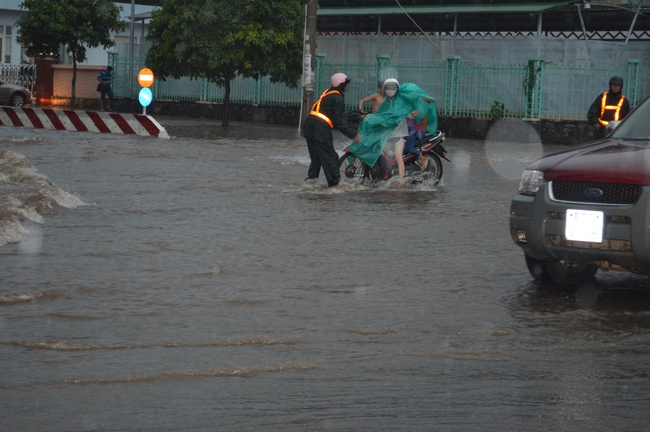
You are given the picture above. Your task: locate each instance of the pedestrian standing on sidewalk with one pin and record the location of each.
(104, 87)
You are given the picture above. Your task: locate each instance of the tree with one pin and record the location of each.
(75, 24)
(221, 39)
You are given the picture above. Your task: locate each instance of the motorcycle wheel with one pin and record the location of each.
(353, 168)
(558, 271)
(434, 168)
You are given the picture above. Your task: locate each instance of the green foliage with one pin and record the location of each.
(221, 39)
(498, 110)
(77, 24)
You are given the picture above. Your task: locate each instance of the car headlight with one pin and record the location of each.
(530, 182)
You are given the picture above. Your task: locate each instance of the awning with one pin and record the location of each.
(536, 7)
(142, 16)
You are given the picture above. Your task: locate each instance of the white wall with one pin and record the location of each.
(569, 52)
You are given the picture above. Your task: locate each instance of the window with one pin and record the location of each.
(123, 45)
(5, 43)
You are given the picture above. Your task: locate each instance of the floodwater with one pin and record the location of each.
(196, 284)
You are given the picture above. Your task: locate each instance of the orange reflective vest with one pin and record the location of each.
(315, 109)
(604, 108)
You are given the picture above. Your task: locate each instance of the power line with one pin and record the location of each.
(416, 24)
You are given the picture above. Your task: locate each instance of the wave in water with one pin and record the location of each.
(60, 345)
(225, 372)
(26, 196)
(26, 298)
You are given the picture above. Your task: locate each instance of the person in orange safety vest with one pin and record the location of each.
(609, 106)
(327, 113)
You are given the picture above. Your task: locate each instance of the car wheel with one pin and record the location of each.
(17, 100)
(537, 269)
(560, 272)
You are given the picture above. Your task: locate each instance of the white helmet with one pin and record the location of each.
(391, 86)
(338, 79)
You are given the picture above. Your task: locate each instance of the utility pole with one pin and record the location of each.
(131, 53)
(309, 60)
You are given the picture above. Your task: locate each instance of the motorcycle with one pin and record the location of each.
(386, 166)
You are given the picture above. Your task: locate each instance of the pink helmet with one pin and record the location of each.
(338, 79)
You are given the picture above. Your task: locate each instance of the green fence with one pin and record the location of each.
(243, 90)
(535, 90)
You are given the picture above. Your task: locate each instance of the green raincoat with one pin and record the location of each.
(375, 129)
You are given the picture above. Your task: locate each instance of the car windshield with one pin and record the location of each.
(637, 125)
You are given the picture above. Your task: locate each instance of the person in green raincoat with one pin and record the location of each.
(376, 129)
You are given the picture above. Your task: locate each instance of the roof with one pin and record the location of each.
(559, 15)
(568, 16)
(142, 16)
(536, 7)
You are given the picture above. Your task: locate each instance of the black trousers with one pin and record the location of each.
(322, 154)
(600, 133)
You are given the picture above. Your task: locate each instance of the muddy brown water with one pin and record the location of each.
(197, 284)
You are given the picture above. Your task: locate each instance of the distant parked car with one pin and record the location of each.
(588, 208)
(14, 95)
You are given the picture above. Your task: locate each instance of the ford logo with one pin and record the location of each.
(593, 192)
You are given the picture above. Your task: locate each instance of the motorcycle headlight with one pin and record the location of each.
(530, 182)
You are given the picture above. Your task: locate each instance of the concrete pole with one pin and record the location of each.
(132, 46)
(539, 34)
(309, 60)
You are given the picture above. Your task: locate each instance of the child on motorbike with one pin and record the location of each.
(375, 98)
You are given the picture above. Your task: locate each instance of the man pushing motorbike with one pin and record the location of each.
(327, 114)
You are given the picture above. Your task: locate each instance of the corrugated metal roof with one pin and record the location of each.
(535, 7)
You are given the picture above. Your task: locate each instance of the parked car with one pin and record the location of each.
(588, 208)
(14, 95)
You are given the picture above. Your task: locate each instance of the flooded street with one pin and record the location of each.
(196, 284)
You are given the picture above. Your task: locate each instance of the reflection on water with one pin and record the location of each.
(207, 287)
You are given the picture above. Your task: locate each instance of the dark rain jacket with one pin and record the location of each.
(333, 107)
(612, 100)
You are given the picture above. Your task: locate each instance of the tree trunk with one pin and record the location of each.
(226, 102)
(73, 101)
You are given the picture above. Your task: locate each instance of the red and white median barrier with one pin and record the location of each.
(82, 121)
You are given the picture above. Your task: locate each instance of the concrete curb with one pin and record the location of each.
(82, 121)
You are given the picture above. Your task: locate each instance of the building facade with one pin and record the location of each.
(11, 51)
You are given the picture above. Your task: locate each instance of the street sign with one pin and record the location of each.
(145, 97)
(145, 77)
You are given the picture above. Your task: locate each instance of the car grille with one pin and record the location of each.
(606, 245)
(612, 193)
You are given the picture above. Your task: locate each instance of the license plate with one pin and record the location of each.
(584, 225)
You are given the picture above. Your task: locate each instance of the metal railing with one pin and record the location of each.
(534, 90)
(23, 74)
(242, 90)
